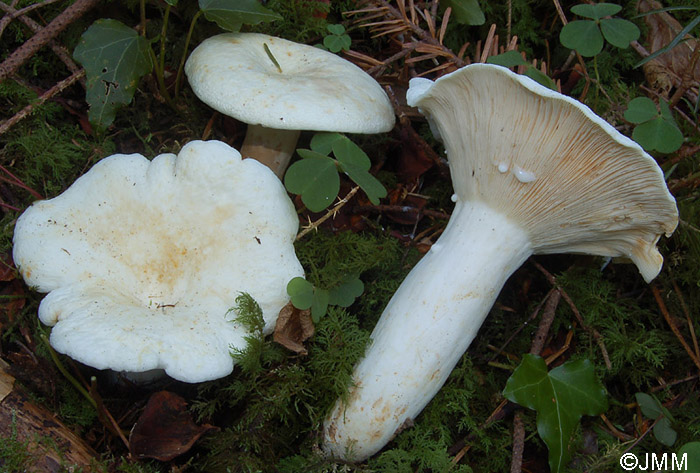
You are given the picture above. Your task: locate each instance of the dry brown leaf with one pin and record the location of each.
(293, 328)
(165, 428)
(666, 71)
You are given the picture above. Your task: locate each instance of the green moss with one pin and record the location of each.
(15, 456)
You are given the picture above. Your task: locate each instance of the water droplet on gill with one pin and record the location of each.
(502, 167)
(523, 175)
(453, 198)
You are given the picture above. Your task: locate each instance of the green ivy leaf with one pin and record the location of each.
(115, 57)
(582, 35)
(596, 11)
(640, 110)
(301, 293)
(466, 12)
(560, 398)
(619, 32)
(345, 294)
(315, 178)
(231, 14)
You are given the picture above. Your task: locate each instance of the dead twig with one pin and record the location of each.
(331, 213)
(667, 316)
(43, 36)
(62, 85)
(593, 332)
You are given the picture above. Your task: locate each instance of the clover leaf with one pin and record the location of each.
(316, 179)
(560, 397)
(305, 295)
(586, 36)
(337, 40)
(653, 409)
(230, 16)
(513, 58)
(656, 129)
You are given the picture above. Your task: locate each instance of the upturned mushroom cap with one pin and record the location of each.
(549, 164)
(315, 90)
(142, 260)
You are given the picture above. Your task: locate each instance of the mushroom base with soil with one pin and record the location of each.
(426, 328)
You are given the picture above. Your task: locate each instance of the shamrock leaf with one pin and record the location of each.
(305, 295)
(653, 409)
(115, 57)
(315, 178)
(513, 58)
(560, 398)
(586, 36)
(656, 129)
(230, 15)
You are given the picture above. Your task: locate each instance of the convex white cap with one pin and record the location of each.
(312, 89)
(142, 260)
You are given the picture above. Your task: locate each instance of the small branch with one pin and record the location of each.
(688, 79)
(5, 20)
(62, 85)
(674, 329)
(403, 209)
(33, 44)
(593, 332)
(61, 52)
(331, 213)
(516, 465)
(547, 318)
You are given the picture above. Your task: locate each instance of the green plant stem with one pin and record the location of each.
(597, 76)
(142, 13)
(65, 372)
(163, 31)
(180, 68)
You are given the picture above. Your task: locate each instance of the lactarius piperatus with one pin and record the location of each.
(142, 260)
(280, 87)
(534, 172)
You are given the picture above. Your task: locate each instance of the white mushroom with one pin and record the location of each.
(280, 87)
(534, 172)
(142, 260)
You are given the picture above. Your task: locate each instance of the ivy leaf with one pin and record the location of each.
(582, 35)
(560, 398)
(345, 294)
(315, 178)
(301, 293)
(115, 57)
(619, 32)
(596, 11)
(466, 12)
(231, 14)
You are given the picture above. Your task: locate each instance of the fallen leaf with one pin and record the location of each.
(165, 428)
(293, 328)
(666, 71)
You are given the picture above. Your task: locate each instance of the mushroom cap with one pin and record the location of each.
(142, 260)
(547, 162)
(316, 90)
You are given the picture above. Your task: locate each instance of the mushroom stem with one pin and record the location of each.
(426, 328)
(272, 147)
